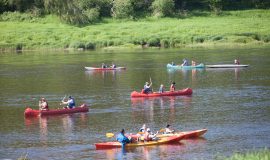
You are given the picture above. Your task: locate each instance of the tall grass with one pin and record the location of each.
(233, 27)
(255, 155)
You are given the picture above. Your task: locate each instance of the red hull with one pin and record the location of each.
(187, 91)
(32, 113)
(164, 140)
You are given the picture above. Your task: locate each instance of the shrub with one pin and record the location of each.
(19, 46)
(217, 38)
(163, 8)
(90, 45)
(198, 39)
(92, 14)
(122, 9)
(164, 43)
(266, 38)
(153, 42)
(77, 44)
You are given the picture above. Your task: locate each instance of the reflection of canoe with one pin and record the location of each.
(29, 112)
(170, 66)
(227, 66)
(163, 140)
(104, 69)
(187, 91)
(187, 134)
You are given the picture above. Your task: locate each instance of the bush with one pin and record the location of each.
(16, 16)
(122, 9)
(92, 14)
(77, 45)
(217, 38)
(266, 38)
(90, 45)
(198, 39)
(153, 42)
(163, 8)
(164, 43)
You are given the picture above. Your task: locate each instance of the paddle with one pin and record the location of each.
(151, 84)
(63, 100)
(109, 135)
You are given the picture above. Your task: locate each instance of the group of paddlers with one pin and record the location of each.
(147, 88)
(70, 102)
(144, 134)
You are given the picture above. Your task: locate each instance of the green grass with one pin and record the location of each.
(232, 28)
(255, 155)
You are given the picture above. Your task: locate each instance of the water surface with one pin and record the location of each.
(233, 104)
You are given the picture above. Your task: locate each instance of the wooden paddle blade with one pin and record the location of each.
(109, 135)
(162, 130)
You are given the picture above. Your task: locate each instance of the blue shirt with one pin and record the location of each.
(122, 138)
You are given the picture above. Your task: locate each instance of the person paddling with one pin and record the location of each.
(43, 104)
(147, 88)
(70, 103)
(149, 136)
(161, 88)
(168, 130)
(122, 138)
(185, 62)
(172, 87)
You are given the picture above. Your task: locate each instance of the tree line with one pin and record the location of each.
(80, 12)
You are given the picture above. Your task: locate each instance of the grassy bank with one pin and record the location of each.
(258, 155)
(232, 28)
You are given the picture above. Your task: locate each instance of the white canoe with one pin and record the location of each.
(104, 69)
(227, 66)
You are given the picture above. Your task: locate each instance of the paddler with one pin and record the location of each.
(147, 87)
(172, 87)
(43, 104)
(70, 103)
(122, 138)
(149, 136)
(168, 130)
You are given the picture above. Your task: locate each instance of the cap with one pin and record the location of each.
(148, 130)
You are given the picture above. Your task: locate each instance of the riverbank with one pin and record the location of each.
(202, 29)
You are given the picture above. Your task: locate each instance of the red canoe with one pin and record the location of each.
(163, 140)
(187, 134)
(104, 69)
(187, 91)
(29, 112)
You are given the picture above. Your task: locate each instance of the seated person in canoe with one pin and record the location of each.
(236, 61)
(185, 62)
(143, 129)
(43, 104)
(168, 130)
(70, 103)
(193, 63)
(161, 88)
(103, 65)
(122, 138)
(113, 65)
(172, 87)
(147, 88)
(149, 136)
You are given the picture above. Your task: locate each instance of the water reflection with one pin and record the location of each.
(102, 73)
(235, 70)
(185, 73)
(147, 105)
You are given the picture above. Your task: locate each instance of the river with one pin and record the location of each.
(233, 104)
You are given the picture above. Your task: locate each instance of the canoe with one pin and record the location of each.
(227, 66)
(186, 91)
(29, 112)
(186, 134)
(163, 140)
(170, 66)
(104, 69)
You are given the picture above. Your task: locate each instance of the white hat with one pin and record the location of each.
(148, 129)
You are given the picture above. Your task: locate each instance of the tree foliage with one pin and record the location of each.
(163, 8)
(88, 11)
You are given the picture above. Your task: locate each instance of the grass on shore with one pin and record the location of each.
(255, 155)
(232, 28)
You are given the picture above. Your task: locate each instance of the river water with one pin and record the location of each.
(233, 104)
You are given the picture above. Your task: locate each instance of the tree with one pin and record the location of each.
(122, 9)
(163, 8)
